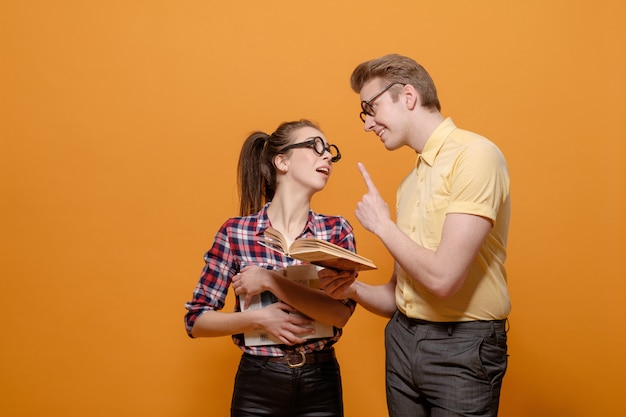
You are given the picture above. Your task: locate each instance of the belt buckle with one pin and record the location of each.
(297, 364)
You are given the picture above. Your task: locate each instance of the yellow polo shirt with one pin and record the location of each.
(457, 172)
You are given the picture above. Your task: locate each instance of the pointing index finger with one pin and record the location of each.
(366, 177)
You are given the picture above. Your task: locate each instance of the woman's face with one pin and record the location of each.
(302, 164)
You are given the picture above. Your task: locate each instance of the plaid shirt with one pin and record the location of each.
(235, 246)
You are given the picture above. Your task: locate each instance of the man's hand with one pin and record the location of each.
(337, 284)
(372, 211)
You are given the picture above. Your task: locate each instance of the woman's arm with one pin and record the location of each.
(275, 318)
(311, 302)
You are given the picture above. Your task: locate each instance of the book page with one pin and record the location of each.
(317, 251)
(303, 274)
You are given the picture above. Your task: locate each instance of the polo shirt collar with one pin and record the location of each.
(436, 141)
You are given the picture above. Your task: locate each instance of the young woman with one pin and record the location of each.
(299, 374)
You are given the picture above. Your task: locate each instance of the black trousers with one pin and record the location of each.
(265, 388)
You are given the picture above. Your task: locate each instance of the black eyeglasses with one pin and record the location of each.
(319, 147)
(368, 107)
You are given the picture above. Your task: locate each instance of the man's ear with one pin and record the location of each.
(411, 96)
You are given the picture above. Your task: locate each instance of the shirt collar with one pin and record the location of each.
(436, 141)
(311, 226)
(263, 222)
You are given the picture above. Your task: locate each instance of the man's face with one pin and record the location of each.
(379, 110)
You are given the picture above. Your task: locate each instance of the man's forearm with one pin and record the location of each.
(378, 299)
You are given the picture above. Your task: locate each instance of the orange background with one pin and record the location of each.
(121, 123)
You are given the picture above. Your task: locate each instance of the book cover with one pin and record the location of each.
(303, 274)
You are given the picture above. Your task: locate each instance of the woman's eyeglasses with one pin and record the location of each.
(319, 147)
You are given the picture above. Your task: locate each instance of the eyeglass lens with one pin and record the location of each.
(366, 105)
(320, 147)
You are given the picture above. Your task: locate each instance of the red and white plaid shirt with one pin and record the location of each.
(236, 246)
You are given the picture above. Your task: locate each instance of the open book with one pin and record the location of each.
(303, 274)
(316, 251)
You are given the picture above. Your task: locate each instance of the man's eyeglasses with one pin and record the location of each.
(319, 147)
(368, 107)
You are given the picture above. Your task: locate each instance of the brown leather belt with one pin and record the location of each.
(298, 359)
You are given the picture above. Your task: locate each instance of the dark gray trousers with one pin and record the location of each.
(444, 369)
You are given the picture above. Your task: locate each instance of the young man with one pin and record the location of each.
(446, 348)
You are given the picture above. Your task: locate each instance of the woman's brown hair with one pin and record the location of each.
(256, 173)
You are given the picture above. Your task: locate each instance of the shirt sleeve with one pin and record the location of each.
(480, 181)
(212, 287)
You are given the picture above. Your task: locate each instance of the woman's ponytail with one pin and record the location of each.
(256, 173)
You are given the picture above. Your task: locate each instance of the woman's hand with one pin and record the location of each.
(280, 320)
(252, 280)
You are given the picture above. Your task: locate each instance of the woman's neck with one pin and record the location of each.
(288, 216)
